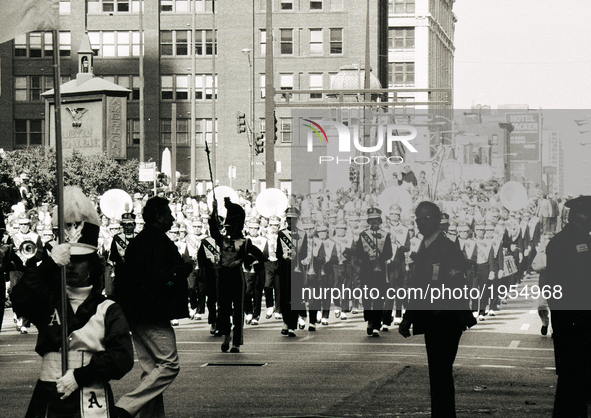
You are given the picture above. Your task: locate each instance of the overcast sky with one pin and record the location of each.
(534, 52)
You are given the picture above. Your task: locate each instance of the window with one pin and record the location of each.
(175, 6)
(286, 81)
(401, 74)
(133, 132)
(174, 43)
(204, 131)
(29, 88)
(316, 84)
(262, 86)
(286, 4)
(28, 132)
(285, 133)
(40, 44)
(401, 38)
(204, 43)
(115, 44)
(174, 87)
(401, 6)
(64, 7)
(316, 5)
(263, 41)
(336, 41)
(204, 87)
(113, 6)
(286, 41)
(182, 131)
(316, 42)
(203, 6)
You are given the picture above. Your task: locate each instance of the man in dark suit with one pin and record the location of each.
(438, 262)
(568, 257)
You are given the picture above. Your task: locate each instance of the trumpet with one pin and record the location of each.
(28, 249)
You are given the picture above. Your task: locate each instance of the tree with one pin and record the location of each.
(95, 174)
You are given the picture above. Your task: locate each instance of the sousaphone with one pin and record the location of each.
(271, 202)
(115, 202)
(513, 196)
(220, 193)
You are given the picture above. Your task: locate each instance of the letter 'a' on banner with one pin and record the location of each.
(22, 16)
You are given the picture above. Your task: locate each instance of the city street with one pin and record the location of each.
(504, 368)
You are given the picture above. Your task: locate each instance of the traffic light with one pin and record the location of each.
(353, 175)
(275, 137)
(259, 145)
(240, 122)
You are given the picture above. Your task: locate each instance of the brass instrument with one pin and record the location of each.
(513, 196)
(114, 203)
(28, 249)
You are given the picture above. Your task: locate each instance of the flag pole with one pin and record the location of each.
(60, 192)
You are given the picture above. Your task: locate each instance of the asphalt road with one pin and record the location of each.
(504, 368)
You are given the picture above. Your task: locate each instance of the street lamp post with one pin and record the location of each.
(507, 129)
(250, 133)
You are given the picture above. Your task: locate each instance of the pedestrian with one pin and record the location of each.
(568, 260)
(153, 291)
(99, 345)
(438, 262)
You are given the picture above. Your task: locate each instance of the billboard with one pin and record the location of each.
(525, 138)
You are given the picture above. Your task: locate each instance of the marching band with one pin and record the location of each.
(348, 246)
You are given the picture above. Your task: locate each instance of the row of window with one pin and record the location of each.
(175, 43)
(40, 44)
(316, 41)
(177, 87)
(201, 6)
(29, 132)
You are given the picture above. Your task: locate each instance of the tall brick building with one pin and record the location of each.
(411, 46)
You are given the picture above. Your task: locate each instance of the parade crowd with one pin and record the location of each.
(219, 265)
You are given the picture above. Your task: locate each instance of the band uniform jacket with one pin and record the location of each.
(98, 334)
(442, 263)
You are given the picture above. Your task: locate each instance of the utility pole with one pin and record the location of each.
(269, 100)
(507, 129)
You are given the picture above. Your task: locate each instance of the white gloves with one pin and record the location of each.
(61, 254)
(66, 384)
(491, 275)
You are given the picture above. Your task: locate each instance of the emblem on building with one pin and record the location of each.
(77, 113)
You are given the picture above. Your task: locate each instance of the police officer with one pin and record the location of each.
(568, 266)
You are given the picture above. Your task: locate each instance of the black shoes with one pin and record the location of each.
(544, 330)
(226, 343)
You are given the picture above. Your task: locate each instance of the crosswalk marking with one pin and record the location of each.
(524, 327)
(514, 344)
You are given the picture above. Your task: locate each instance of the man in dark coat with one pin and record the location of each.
(568, 257)
(152, 288)
(438, 262)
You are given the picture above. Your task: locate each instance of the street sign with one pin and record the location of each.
(147, 171)
(232, 172)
